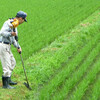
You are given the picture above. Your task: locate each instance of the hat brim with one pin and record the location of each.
(25, 20)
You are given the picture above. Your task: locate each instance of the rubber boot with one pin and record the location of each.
(11, 82)
(5, 81)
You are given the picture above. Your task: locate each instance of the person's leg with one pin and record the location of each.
(6, 64)
(13, 63)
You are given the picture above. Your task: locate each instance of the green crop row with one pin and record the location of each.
(53, 62)
(52, 86)
(77, 95)
(96, 91)
(46, 65)
(56, 24)
(77, 75)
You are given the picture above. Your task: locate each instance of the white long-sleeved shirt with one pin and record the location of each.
(5, 33)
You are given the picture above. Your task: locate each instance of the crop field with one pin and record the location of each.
(60, 48)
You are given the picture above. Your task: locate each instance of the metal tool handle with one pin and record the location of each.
(24, 68)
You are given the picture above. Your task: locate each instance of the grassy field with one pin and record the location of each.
(47, 20)
(61, 44)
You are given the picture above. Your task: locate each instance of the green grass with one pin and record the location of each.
(96, 91)
(76, 76)
(64, 74)
(44, 58)
(84, 84)
(47, 20)
(54, 41)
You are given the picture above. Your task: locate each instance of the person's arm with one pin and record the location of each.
(5, 30)
(16, 44)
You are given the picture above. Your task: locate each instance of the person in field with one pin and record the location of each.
(8, 36)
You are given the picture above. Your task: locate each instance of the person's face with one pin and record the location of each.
(21, 20)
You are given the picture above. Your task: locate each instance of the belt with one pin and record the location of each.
(5, 42)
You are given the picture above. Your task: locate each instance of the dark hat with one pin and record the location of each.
(22, 14)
